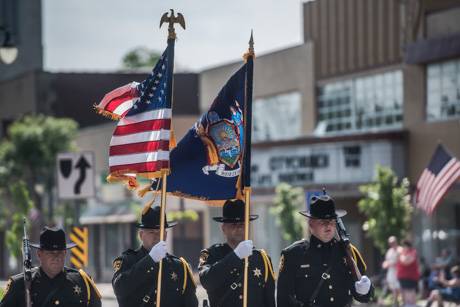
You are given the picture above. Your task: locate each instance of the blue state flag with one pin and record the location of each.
(207, 162)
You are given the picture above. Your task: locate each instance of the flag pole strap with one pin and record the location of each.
(247, 198)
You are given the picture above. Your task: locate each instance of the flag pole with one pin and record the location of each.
(246, 173)
(171, 20)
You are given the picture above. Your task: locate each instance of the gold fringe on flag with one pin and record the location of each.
(172, 141)
(104, 113)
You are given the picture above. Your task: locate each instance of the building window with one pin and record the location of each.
(277, 117)
(361, 104)
(352, 155)
(443, 90)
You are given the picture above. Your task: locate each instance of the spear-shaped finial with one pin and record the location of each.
(250, 52)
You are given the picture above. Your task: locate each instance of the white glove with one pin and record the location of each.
(159, 251)
(363, 286)
(244, 249)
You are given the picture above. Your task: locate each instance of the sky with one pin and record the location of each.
(93, 35)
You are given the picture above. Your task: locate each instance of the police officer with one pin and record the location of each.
(221, 266)
(53, 284)
(136, 271)
(314, 272)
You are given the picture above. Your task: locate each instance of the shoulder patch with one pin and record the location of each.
(117, 264)
(204, 255)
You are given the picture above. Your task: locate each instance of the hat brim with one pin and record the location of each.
(221, 219)
(338, 213)
(168, 225)
(67, 246)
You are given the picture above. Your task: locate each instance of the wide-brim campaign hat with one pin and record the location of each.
(323, 208)
(233, 212)
(151, 219)
(52, 239)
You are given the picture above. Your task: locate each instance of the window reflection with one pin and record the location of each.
(277, 117)
(367, 103)
(443, 90)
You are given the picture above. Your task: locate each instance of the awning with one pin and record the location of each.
(432, 50)
(113, 213)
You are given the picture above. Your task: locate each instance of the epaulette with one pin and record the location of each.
(267, 265)
(89, 282)
(20, 276)
(304, 244)
(215, 246)
(187, 271)
(129, 252)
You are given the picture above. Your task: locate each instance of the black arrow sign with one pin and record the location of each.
(82, 164)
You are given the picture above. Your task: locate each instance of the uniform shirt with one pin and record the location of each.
(301, 268)
(222, 275)
(67, 289)
(136, 275)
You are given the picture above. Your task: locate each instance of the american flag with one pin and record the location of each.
(436, 179)
(140, 142)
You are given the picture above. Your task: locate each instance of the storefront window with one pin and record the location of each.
(443, 90)
(366, 103)
(277, 117)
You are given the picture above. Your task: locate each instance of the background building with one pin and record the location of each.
(374, 82)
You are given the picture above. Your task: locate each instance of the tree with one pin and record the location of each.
(288, 201)
(28, 154)
(22, 204)
(386, 205)
(140, 57)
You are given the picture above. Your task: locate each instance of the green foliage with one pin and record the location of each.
(29, 152)
(288, 201)
(140, 57)
(1, 293)
(35, 140)
(21, 205)
(186, 215)
(386, 204)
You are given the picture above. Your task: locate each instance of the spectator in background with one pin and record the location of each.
(391, 259)
(451, 292)
(408, 273)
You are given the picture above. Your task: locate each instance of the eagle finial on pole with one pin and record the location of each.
(171, 20)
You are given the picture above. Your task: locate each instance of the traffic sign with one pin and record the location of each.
(75, 173)
(79, 254)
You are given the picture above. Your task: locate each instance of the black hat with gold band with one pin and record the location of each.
(233, 212)
(151, 219)
(52, 239)
(323, 208)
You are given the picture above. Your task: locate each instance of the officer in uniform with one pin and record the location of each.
(52, 283)
(136, 271)
(221, 266)
(315, 272)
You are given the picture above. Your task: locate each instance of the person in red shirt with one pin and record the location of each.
(407, 271)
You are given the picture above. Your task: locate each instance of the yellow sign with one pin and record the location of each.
(79, 254)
